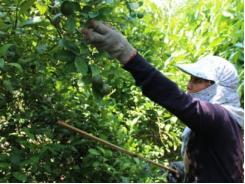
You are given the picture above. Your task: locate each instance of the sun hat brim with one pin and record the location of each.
(194, 70)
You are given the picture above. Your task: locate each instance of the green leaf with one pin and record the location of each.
(33, 21)
(92, 15)
(234, 57)
(65, 55)
(20, 176)
(25, 5)
(7, 84)
(28, 133)
(134, 6)
(4, 165)
(93, 152)
(228, 14)
(103, 12)
(96, 164)
(42, 8)
(1, 62)
(95, 70)
(4, 49)
(57, 18)
(70, 24)
(2, 34)
(70, 67)
(239, 45)
(137, 160)
(108, 153)
(69, 45)
(16, 65)
(85, 10)
(109, 1)
(81, 65)
(125, 179)
(15, 158)
(2, 14)
(42, 48)
(34, 160)
(4, 157)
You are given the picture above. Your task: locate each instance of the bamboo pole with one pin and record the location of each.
(113, 146)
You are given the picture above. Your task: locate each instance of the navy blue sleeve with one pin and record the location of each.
(197, 115)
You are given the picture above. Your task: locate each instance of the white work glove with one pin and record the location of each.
(173, 177)
(105, 38)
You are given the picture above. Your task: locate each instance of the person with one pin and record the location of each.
(212, 146)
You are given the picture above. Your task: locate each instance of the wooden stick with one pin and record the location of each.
(113, 146)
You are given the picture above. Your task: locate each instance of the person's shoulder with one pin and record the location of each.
(224, 117)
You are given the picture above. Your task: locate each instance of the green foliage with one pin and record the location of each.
(48, 73)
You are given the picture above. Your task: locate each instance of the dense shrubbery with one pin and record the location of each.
(48, 73)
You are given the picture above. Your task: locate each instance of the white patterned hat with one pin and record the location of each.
(213, 68)
(224, 91)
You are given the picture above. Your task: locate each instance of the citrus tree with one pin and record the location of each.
(49, 73)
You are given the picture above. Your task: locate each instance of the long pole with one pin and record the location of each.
(113, 146)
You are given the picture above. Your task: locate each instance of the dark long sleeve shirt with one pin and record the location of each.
(216, 144)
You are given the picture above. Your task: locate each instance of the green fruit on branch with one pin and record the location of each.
(68, 8)
(140, 15)
(65, 55)
(97, 82)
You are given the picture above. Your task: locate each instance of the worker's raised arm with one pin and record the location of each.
(194, 113)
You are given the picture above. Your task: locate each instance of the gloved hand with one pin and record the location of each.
(172, 177)
(105, 38)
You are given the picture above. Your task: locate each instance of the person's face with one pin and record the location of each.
(196, 84)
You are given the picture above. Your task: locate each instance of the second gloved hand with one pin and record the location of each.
(105, 38)
(172, 177)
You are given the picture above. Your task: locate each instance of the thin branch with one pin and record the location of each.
(113, 146)
(58, 31)
(16, 16)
